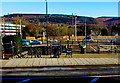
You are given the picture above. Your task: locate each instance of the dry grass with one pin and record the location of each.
(106, 55)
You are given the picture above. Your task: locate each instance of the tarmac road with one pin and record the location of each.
(86, 74)
(63, 71)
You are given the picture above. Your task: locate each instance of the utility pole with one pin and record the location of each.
(76, 28)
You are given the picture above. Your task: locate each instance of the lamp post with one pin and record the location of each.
(75, 25)
(74, 22)
(20, 28)
(85, 36)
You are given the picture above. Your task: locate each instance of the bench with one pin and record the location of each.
(22, 54)
(7, 56)
(69, 52)
(25, 53)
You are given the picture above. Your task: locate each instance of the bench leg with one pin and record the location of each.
(68, 55)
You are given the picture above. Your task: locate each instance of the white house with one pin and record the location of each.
(9, 29)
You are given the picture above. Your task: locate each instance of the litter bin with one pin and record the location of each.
(57, 52)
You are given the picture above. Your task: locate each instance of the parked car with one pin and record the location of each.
(25, 42)
(31, 41)
(35, 42)
(52, 40)
(88, 39)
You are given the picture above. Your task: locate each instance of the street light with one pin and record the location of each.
(85, 36)
(75, 25)
(20, 28)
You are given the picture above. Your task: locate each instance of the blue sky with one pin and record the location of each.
(60, 0)
(91, 9)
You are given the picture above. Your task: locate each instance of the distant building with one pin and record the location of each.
(113, 34)
(10, 29)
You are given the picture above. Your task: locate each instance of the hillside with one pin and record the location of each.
(54, 18)
(109, 21)
(102, 19)
(113, 21)
(36, 24)
(65, 19)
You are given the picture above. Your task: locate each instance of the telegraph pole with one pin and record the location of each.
(76, 28)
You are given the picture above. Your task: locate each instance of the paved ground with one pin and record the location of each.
(80, 65)
(40, 62)
(77, 59)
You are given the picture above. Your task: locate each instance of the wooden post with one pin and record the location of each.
(98, 47)
(111, 46)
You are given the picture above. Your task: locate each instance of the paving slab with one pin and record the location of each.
(40, 62)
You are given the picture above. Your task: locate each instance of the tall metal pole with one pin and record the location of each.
(20, 28)
(72, 27)
(46, 7)
(85, 36)
(47, 20)
(47, 23)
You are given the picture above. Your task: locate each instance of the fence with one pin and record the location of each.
(73, 37)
